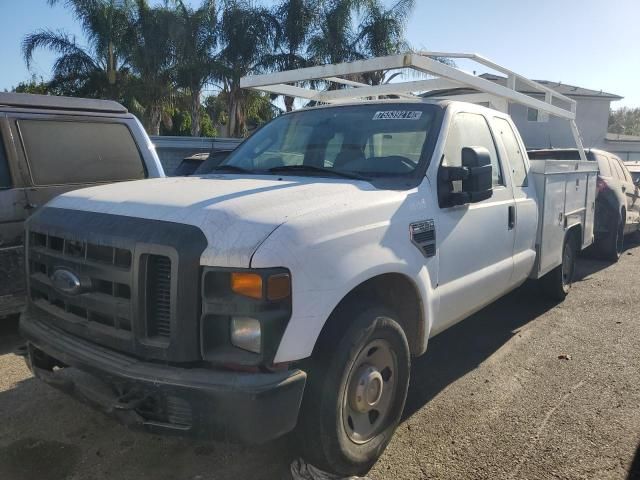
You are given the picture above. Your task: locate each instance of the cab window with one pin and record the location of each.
(5, 175)
(470, 130)
(514, 152)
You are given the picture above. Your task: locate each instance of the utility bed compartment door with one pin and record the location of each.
(566, 191)
(551, 226)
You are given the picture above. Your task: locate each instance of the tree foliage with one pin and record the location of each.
(159, 59)
(625, 121)
(98, 69)
(195, 37)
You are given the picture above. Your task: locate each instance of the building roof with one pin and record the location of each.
(52, 102)
(562, 88)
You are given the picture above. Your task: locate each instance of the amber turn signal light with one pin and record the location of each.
(247, 284)
(278, 286)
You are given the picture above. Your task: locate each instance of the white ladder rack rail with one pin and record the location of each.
(443, 77)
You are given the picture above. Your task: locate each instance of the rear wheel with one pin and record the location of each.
(557, 283)
(356, 390)
(612, 244)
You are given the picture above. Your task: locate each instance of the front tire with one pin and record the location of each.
(356, 391)
(557, 283)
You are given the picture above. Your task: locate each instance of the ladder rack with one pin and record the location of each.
(441, 77)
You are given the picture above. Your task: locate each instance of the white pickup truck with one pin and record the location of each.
(290, 288)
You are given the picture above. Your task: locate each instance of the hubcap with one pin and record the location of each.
(367, 389)
(370, 392)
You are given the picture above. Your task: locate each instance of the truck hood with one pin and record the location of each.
(235, 213)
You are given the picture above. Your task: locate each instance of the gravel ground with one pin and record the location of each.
(492, 399)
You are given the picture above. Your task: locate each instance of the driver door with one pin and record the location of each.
(475, 241)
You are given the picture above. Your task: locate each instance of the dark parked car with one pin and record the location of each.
(50, 145)
(201, 163)
(617, 200)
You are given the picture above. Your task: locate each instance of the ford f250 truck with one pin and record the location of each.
(290, 288)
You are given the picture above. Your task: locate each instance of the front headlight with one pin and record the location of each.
(246, 333)
(244, 314)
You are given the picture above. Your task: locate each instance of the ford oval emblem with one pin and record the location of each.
(65, 281)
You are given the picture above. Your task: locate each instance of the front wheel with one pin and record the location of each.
(557, 283)
(356, 390)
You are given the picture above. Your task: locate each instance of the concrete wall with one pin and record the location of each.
(592, 118)
(171, 150)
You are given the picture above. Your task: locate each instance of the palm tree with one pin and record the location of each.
(334, 39)
(195, 38)
(98, 69)
(297, 19)
(151, 55)
(381, 32)
(247, 33)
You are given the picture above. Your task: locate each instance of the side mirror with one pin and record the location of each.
(475, 175)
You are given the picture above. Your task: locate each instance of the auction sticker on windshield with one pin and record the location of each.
(398, 115)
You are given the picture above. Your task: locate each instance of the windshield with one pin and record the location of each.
(375, 140)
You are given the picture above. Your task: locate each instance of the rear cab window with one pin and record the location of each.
(68, 152)
(514, 152)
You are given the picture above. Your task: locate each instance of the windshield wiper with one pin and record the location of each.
(230, 168)
(313, 169)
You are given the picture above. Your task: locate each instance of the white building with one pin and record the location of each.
(541, 131)
(592, 118)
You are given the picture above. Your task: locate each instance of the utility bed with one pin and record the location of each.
(567, 192)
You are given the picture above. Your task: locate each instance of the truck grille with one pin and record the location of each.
(105, 274)
(124, 283)
(159, 296)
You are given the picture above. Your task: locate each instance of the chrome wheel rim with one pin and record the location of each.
(371, 390)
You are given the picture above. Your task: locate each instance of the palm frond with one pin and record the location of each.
(56, 41)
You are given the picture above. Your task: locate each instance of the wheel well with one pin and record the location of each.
(396, 292)
(576, 232)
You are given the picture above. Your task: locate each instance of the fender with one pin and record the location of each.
(325, 269)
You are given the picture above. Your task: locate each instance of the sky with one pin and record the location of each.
(589, 43)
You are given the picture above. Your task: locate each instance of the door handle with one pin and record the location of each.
(512, 217)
